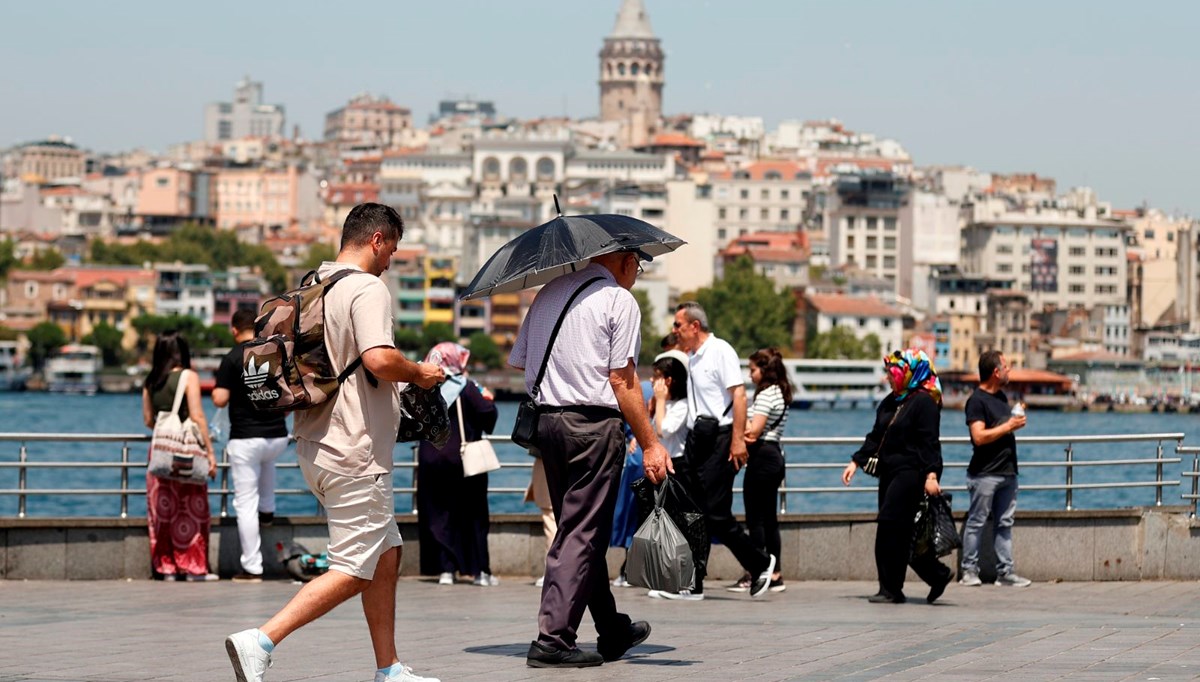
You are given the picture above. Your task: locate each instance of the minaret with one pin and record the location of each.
(631, 75)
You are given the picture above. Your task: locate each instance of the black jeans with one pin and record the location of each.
(708, 476)
(899, 495)
(760, 490)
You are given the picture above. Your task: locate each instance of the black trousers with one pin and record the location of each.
(899, 495)
(760, 491)
(708, 475)
(583, 451)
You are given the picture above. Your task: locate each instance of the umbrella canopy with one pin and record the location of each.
(564, 245)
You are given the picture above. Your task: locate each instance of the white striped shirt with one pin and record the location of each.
(600, 333)
(769, 403)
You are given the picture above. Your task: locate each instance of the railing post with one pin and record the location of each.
(416, 455)
(225, 482)
(1195, 482)
(783, 493)
(22, 457)
(124, 480)
(1070, 475)
(1158, 477)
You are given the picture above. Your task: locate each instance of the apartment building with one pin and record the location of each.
(767, 196)
(369, 122)
(246, 116)
(862, 221)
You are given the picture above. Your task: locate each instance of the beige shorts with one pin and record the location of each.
(362, 521)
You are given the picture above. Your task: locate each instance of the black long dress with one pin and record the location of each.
(452, 511)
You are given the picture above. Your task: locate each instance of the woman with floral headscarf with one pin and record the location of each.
(904, 450)
(452, 510)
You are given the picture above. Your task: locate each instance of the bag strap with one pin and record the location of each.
(462, 432)
(537, 383)
(179, 391)
(332, 279)
(886, 429)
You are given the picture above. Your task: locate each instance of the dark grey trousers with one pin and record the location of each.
(583, 451)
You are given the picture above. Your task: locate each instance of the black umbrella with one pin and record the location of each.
(564, 245)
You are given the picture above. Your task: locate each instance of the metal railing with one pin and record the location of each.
(1069, 464)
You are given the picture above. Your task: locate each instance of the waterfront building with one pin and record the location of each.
(30, 295)
(440, 273)
(246, 116)
(368, 122)
(1006, 325)
(950, 292)
(43, 161)
(406, 280)
(861, 217)
(238, 288)
(185, 289)
(819, 313)
(631, 75)
(765, 196)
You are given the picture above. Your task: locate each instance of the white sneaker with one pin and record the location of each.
(1012, 580)
(486, 580)
(620, 581)
(682, 595)
(539, 582)
(405, 675)
(763, 583)
(250, 661)
(970, 579)
(202, 578)
(446, 579)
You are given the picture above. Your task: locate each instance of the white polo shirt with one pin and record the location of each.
(601, 332)
(712, 370)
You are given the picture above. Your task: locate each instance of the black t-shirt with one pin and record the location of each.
(245, 420)
(999, 457)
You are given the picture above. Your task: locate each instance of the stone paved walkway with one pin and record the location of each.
(110, 631)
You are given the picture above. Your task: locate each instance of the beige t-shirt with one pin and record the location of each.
(355, 433)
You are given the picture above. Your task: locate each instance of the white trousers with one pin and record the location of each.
(252, 468)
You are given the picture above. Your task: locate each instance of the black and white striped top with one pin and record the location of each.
(769, 402)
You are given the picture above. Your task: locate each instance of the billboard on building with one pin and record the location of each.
(1044, 268)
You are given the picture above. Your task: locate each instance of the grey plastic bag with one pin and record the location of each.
(659, 558)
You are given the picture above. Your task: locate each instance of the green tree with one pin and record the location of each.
(650, 336)
(44, 339)
(318, 253)
(46, 259)
(484, 350)
(435, 333)
(8, 333)
(840, 343)
(199, 336)
(409, 339)
(108, 339)
(744, 308)
(8, 256)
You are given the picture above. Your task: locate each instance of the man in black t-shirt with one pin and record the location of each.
(992, 473)
(256, 439)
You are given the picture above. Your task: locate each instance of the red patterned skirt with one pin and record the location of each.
(179, 517)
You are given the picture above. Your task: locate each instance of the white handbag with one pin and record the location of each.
(177, 448)
(478, 457)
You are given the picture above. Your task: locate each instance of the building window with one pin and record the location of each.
(872, 261)
(1076, 270)
(783, 194)
(744, 213)
(1078, 250)
(1075, 289)
(783, 214)
(889, 224)
(31, 289)
(872, 224)
(765, 194)
(889, 243)
(745, 194)
(764, 214)
(721, 213)
(889, 262)
(1004, 267)
(721, 234)
(1004, 249)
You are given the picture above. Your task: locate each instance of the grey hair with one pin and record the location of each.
(694, 313)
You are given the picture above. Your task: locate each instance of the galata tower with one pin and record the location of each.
(631, 75)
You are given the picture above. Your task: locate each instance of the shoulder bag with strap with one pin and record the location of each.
(872, 465)
(177, 447)
(525, 429)
(478, 456)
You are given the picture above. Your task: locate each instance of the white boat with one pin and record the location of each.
(833, 383)
(12, 374)
(75, 369)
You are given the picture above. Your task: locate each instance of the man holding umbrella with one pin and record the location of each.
(590, 388)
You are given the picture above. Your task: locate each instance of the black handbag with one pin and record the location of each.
(934, 531)
(423, 416)
(526, 426)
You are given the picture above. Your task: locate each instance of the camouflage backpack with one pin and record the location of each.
(286, 367)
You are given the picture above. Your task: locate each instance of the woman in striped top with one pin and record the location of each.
(764, 471)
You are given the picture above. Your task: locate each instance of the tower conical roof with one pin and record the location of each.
(632, 21)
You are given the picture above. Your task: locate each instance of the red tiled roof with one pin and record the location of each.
(674, 140)
(787, 170)
(860, 306)
(1096, 356)
(403, 151)
(86, 277)
(864, 163)
(40, 276)
(1021, 375)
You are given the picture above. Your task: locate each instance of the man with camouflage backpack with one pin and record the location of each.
(344, 444)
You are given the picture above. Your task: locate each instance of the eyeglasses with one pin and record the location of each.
(640, 271)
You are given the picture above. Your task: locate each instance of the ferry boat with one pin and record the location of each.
(12, 374)
(76, 369)
(830, 384)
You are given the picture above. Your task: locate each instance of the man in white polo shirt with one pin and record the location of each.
(590, 388)
(716, 445)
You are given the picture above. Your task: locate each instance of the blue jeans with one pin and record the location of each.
(995, 496)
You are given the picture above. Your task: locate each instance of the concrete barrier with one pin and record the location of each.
(1155, 543)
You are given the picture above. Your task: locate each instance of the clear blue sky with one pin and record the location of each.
(1092, 93)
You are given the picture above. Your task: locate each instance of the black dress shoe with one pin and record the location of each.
(612, 648)
(883, 597)
(542, 656)
(937, 589)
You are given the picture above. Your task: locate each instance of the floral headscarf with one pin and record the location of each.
(452, 358)
(913, 370)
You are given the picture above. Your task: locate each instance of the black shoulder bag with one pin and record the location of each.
(525, 429)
